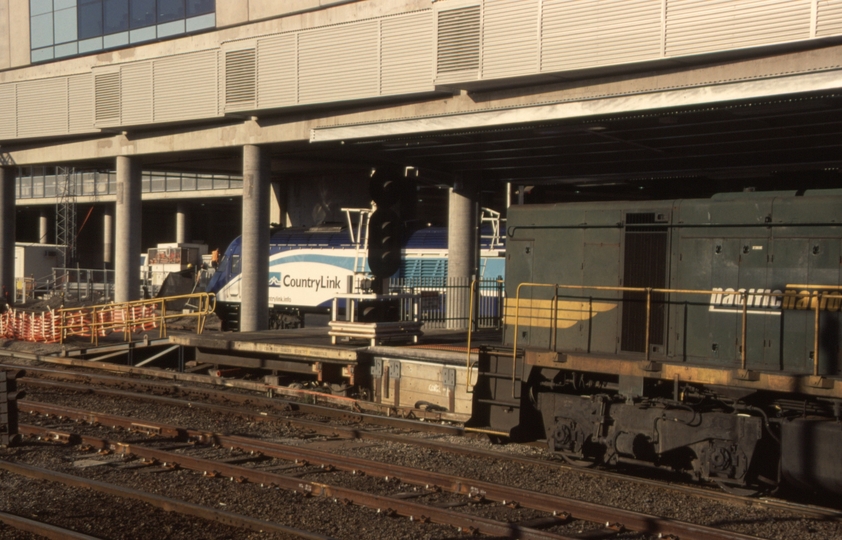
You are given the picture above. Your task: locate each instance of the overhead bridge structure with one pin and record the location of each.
(598, 99)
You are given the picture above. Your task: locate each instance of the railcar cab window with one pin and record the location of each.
(65, 28)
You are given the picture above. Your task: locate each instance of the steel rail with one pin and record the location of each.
(538, 501)
(389, 505)
(357, 433)
(53, 532)
(273, 403)
(165, 503)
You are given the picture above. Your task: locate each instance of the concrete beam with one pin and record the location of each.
(7, 233)
(254, 260)
(128, 230)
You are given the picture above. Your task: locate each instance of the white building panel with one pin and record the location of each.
(828, 18)
(8, 111)
(186, 86)
(406, 54)
(81, 100)
(136, 93)
(698, 26)
(590, 33)
(277, 71)
(510, 38)
(339, 63)
(42, 107)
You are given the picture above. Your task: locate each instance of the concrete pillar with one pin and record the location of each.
(108, 235)
(43, 228)
(181, 223)
(128, 229)
(7, 233)
(461, 248)
(254, 310)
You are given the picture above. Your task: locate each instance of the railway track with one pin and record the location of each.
(325, 423)
(302, 463)
(256, 409)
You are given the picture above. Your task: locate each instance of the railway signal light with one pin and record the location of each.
(385, 239)
(9, 395)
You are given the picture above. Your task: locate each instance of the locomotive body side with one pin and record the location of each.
(677, 333)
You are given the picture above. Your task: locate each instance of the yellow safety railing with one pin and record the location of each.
(136, 316)
(817, 300)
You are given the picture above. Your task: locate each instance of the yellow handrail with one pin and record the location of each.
(819, 298)
(128, 316)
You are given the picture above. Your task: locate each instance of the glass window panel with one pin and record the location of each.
(143, 13)
(158, 183)
(63, 4)
(39, 7)
(41, 31)
(115, 40)
(201, 22)
(144, 183)
(170, 10)
(170, 29)
(67, 49)
(42, 54)
(116, 16)
(173, 182)
(90, 20)
(188, 182)
(142, 34)
(90, 45)
(205, 182)
(200, 7)
(83, 2)
(65, 25)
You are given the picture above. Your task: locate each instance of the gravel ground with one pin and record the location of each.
(748, 519)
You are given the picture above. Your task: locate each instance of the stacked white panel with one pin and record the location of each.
(277, 71)
(698, 26)
(136, 94)
(510, 38)
(42, 107)
(339, 63)
(406, 60)
(8, 111)
(185, 86)
(828, 18)
(591, 33)
(81, 100)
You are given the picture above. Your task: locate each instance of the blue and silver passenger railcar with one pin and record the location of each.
(308, 268)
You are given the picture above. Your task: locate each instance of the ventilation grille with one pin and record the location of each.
(240, 71)
(458, 40)
(107, 89)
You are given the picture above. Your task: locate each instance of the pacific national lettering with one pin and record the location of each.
(771, 302)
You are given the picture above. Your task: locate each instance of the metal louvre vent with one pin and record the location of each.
(240, 76)
(458, 40)
(107, 97)
(645, 265)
